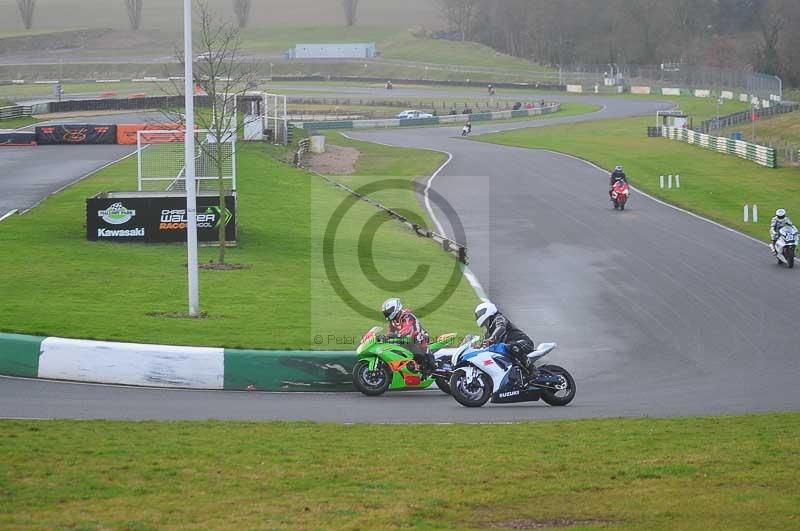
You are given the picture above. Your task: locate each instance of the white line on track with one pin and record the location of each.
(79, 180)
(8, 215)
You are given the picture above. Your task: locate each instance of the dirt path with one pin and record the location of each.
(335, 161)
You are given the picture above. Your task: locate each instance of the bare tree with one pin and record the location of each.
(242, 10)
(460, 14)
(26, 8)
(134, 8)
(350, 11)
(224, 76)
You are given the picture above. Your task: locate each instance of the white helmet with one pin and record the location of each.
(618, 168)
(391, 308)
(484, 311)
(781, 213)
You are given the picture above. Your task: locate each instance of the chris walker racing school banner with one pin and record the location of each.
(157, 219)
(48, 135)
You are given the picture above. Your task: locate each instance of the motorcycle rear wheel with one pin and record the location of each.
(372, 383)
(474, 394)
(561, 397)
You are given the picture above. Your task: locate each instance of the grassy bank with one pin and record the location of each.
(712, 184)
(697, 473)
(282, 300)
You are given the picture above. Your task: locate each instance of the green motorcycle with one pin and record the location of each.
(382, 366)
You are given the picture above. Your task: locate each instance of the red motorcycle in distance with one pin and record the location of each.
(620, 193)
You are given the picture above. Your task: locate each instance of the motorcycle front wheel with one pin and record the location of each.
(559, 397)
(788, 253)
(473, 394)
(372, 383)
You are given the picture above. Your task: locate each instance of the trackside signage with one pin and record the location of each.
(156, 219)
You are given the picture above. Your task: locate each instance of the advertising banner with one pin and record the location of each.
(48, 135)
(17, 139)
(126, 133)
(156, 219)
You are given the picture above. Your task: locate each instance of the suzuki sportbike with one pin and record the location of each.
(620, 193)
(491, 373)
(786, 245)
(390, 365)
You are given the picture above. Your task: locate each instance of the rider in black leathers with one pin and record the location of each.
(500, 330)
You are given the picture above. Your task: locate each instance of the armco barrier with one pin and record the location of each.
(174, 366)
(765, 156)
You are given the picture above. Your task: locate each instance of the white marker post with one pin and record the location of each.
(670, 182)
(191, 191)
(677, 181)
(746, 213)
(755, 213)
(661, 181)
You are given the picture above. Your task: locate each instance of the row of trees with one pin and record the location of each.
(241, 8)
(732, 33)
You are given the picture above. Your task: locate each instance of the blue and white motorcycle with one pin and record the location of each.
(481, 374)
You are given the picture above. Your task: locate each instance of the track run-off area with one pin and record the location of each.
(657, 312)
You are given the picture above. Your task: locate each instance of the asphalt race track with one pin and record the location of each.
(656, 312)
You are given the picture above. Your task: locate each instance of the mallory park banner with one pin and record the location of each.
(48, 135)
(156, 219)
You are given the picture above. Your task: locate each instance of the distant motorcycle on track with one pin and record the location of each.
(786, 246)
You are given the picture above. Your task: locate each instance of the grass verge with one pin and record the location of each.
(712, 184)
(699, 473)
(283, 300)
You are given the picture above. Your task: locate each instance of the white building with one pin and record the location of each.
(333, 51)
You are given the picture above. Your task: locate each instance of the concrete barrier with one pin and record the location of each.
(702, 93)
(670, 92)
(744, 98)
(641, 90)
(726, 95)
(574, 88)
(762, 155)
(174, 366)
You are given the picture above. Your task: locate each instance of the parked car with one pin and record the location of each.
(412, 114)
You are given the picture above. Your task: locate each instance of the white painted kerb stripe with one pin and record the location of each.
(132, 364)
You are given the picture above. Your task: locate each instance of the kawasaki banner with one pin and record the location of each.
(47, 135)
(156, 218)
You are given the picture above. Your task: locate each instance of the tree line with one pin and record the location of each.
(133, 9)
(762, 34)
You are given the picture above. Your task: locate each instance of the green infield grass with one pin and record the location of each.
(712, 184)
(689, 473)
(56, 283)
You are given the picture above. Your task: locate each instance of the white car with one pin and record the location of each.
(409, 115)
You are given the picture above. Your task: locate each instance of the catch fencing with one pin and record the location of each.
(762, 155)
(746, 116)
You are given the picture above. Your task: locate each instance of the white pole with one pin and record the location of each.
(661, 181)
(191, 193)
(746, 213)
(755, 213)
(677, 181)
(669, 179)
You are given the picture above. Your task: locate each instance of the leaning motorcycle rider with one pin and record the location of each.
(616, 176)
(500, 330)
(403, 324)
(780, 221)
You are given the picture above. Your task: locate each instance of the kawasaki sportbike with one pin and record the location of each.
(481, 374)
(382, 366)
